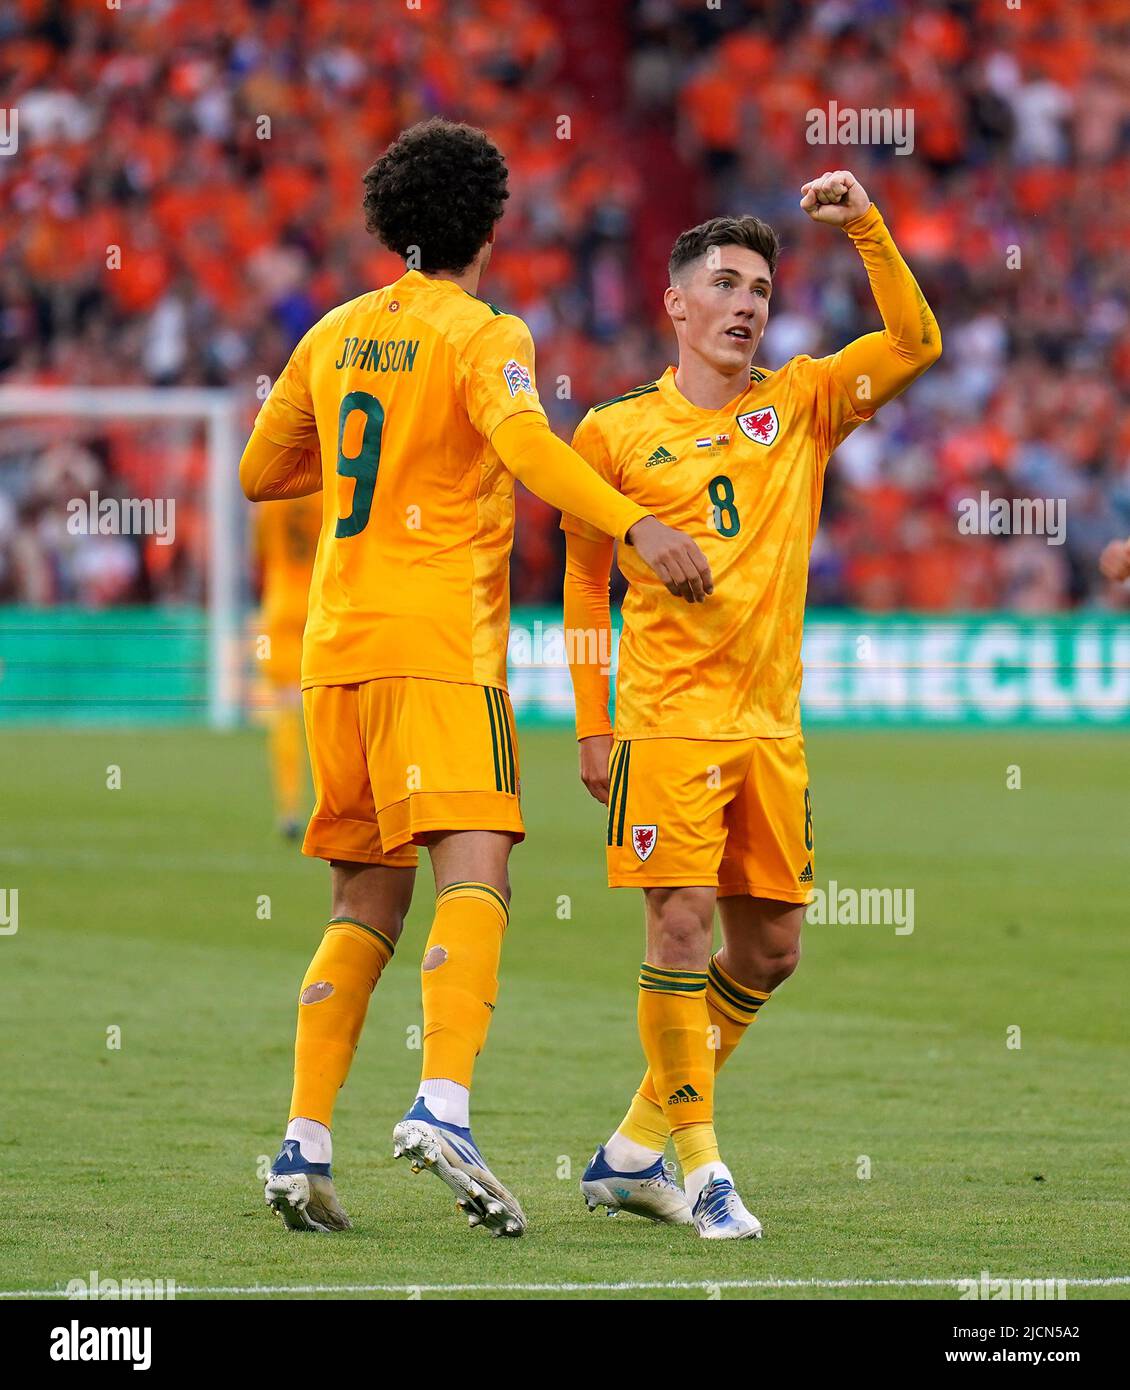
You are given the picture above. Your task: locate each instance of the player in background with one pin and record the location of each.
(705, 780)
(413, 408)
(285, 537)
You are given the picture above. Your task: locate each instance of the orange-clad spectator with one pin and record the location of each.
(220, 147)
(138, 274)
(713, 104)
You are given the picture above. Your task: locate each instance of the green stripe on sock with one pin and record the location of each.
(671, 986)
(483, 887)
(674, 974)
(353, 922)
(748, 1013)
(749, 1002)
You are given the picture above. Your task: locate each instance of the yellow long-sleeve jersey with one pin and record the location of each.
(746, 482)
(393, 404)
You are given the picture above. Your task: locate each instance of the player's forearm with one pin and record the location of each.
(269, 471)
(588, 630)
(910, 341)
(559, 475)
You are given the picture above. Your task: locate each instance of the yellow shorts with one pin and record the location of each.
(397, 758)
(735, 813)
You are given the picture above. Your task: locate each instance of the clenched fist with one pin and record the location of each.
(835, 198)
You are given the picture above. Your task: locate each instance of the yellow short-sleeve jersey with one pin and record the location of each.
(746, 482)
(286, 538)
(401, 390)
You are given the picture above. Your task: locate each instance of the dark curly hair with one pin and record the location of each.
(439, 188)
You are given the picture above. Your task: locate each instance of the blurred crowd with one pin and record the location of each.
(185, 200)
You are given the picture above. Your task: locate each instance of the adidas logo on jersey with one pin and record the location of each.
(685, 1095)
(661, 455)
(805, 875)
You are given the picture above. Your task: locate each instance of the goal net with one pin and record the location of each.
(122, 555)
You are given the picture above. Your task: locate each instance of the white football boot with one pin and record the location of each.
(450, 1153)
(720, 1214)
(649, 1192)
(302, 1193)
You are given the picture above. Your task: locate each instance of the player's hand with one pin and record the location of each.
(674, 557)
(835, 198)
(1115, 560)
(595, 752)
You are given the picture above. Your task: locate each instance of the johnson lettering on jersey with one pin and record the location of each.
(402, 389)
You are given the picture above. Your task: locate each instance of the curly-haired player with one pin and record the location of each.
(435, 195)
(413, 408)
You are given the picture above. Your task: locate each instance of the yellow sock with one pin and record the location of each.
(645, 1122)
(331, 1012)
(287, 744)
(459, 978)
(675, 1031)
(732, 1008)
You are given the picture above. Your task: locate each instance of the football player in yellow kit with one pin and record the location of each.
(285, 538)
(705, 779)
(413, 408)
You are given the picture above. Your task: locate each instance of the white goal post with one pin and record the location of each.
(219, 414)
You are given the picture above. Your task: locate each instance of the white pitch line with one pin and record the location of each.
(627, 1286)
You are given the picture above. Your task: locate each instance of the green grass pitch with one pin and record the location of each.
(138, 911)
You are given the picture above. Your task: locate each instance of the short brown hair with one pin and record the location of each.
(748, 231)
